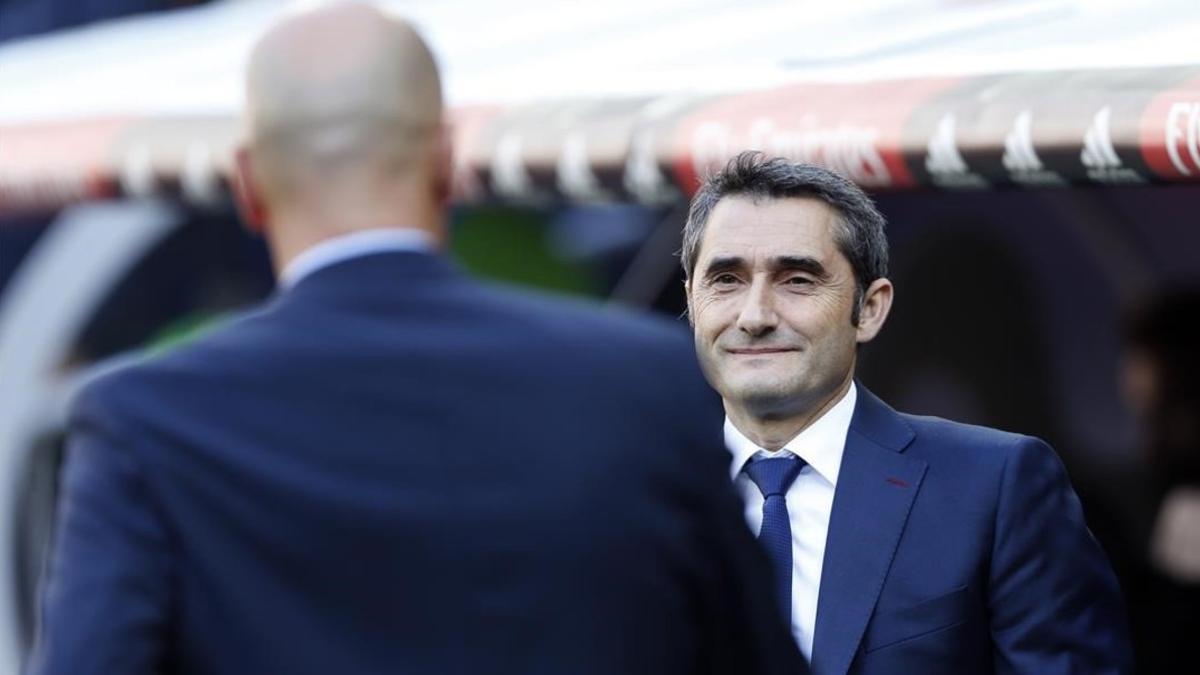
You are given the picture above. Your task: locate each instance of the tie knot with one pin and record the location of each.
(774, 475)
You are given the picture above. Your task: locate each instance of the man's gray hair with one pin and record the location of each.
(861, 233)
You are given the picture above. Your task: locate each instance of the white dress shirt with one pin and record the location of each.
(353, 245)
(809, 502)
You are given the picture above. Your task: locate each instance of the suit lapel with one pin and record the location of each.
(876, 488)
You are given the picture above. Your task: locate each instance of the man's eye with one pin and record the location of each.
(724, 280)
(799, 281)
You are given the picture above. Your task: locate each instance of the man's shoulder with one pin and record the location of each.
(647, 360)
(137, 378)
(974, 462)
(961, 442)
(587, 320)
(941, 430)
(928, 433)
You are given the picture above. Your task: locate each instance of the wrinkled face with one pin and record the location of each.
(771, 299)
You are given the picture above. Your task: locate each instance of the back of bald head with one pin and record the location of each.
(341, 87)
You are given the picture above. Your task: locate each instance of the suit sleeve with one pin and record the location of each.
(106, 588)
(1054, 602)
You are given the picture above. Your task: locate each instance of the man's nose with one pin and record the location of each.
(757, 316)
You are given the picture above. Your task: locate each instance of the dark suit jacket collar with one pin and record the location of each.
(367, 273)
(879, 422)
(876, 488)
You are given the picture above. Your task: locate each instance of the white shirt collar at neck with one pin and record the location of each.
(821, 444)
(352, 245)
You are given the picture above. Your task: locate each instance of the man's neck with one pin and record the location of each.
(292, 235)
(771, 431)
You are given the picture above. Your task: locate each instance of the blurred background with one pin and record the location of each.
(1038, 162)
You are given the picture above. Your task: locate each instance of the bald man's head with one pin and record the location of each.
(341, 88)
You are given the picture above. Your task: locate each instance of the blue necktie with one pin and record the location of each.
(773, 477)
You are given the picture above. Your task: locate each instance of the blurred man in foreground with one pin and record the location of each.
(391, 468)
(901, 544)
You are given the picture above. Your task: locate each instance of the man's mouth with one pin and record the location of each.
(759, 351)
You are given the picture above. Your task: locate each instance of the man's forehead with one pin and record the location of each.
(765, 229)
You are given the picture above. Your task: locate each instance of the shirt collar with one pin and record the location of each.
(821, 444)
(353, 245)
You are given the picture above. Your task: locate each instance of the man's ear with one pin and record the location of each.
(876, 303)
(443, 164)
(247, 194)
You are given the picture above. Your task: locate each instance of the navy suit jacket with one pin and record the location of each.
(394, 469)
(960, 550)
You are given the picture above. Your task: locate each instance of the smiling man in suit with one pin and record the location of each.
(393, 468)
(901, 544)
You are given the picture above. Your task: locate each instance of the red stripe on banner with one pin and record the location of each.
(854, 129)
(48, 165)
(1170, 133)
